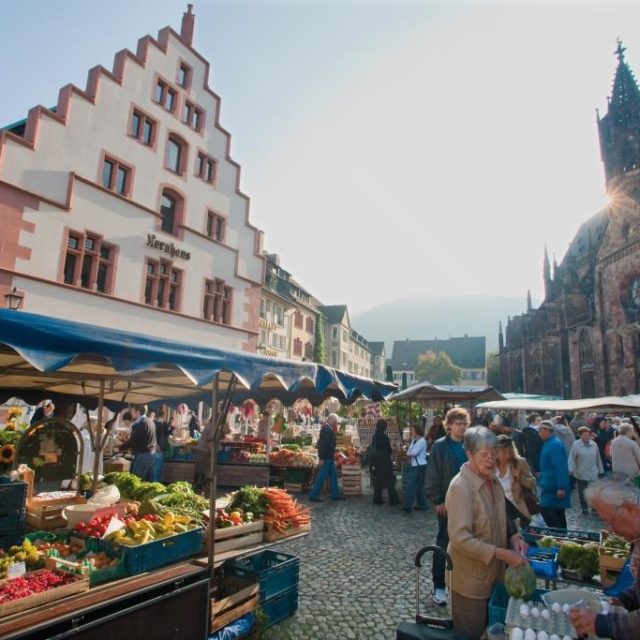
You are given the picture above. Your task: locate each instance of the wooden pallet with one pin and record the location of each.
(46, 514)
(232, 599)
(243, 535)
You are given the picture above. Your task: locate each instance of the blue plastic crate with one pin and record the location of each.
(532, 534)
(275, 572)
(11, 536)
(280, 607)
(149, 556)
(544, 561)
(499, 602)
(13, 496)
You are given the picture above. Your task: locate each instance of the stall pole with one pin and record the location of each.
(97, 441)
(212, 473)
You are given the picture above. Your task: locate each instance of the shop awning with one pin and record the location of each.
(425, 391)
(49, 357)
(607, 403)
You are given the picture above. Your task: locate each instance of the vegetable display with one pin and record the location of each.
(34, 582)
(284, 512)
(616, 546)
(250, 499)
(520, 582)
(577, 557)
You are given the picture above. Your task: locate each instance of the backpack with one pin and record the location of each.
(370, 455)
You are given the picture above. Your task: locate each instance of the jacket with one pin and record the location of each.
(532, 446)
(440, 471)
(554, 475)
(477, 525)
(625, 456)
(326, 443)
(584, 461)
(143, 437)
(521, 476)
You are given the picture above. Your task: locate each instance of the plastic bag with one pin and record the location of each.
(538, 521)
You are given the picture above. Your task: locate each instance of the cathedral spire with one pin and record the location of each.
(188, 25)
(546, 274)
(500, 336)
(625, 87)
(529, 305)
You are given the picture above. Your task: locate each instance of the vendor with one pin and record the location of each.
(142, 442)
(618, 504)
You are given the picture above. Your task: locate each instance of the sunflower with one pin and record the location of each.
(7, 454)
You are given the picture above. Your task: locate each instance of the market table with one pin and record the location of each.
(157, 605)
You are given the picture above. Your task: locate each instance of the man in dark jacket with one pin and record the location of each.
(142, 442)
(446, 457)
(326, 451)
(532, 442)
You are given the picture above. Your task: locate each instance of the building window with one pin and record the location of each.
(143, 128)
(309, 324)
(205, 167)
(216, 226)
(334, 359)
(170, 208)
(166, 96)
(297, 347)
(308, 350)
(184, 75)
(334, 333)
(162, 285)
(89, 262)
(297, 320)
(116, 176)
(192, 115)
(177, 151)
(217, 301)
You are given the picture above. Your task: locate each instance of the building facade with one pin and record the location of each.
(468, 353)
(378, 360)
(121, 206)
(584, 339)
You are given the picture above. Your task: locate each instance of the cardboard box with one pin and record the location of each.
(119, 464)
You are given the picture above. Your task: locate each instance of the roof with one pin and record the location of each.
(467, 352)
(589, 235)
(334, 313)
(377, 348)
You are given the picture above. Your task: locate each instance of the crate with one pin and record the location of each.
(12, 501)
(499, 602)
(532, 534)
(243, 535)
(281, 606)
(608, 561)
(232, 599)
(149, 556)
(270, 535)
(275, 572)
(95, 576)
(544, 562)
(79, 585)
(45, 514)
(609, 576)
(352, 479)
(343, 441)
(11, 536)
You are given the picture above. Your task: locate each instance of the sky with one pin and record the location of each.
(389, 148)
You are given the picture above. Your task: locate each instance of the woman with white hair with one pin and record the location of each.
(480, 534)
(625, 452)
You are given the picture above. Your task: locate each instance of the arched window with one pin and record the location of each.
(177, 151)
(171, 205)
(587, 365)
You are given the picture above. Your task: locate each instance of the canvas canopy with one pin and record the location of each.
(425, 391)
(607, 403)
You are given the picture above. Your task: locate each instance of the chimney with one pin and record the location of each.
(188, 24)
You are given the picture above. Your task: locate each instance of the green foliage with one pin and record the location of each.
(180, 487)
(250, 499)
(437, 368)
(493, 370)
(400, 409)
(319, 347)
(577, 557)
(126, 482)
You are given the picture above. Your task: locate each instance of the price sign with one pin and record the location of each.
(16, 570)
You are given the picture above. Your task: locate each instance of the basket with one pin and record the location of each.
(280, 607)
(499, 602)
(232, 599)
(275, 572)
(544, 562)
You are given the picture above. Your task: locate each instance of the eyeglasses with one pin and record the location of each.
(486, 455)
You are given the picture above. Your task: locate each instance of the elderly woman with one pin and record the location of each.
(480, 533)
(585, 464)
(515, 476)
(625, 452)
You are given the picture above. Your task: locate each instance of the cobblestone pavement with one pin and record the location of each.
(357, 578)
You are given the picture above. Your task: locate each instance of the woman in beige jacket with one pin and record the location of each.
(479, 534)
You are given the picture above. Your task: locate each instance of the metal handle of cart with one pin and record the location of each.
(444, 623)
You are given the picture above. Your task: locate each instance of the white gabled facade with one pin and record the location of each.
(122, 208)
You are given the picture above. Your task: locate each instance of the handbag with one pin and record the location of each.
(531, 500)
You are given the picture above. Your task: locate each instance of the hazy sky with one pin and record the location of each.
(389, 148)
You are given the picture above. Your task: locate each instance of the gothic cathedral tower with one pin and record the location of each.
(619, 129)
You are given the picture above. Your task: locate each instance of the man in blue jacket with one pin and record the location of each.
(554, 482)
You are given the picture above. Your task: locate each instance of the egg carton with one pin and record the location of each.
(557, 622)
(518, 633)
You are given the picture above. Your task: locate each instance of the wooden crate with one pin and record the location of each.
(46, 514)
(243, 535)
(352, 480)
(608, 577)
(232, 599)
(271, 536)
(80, 584)
(607, 561)
(343, 441)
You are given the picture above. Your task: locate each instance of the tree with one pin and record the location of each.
(437, 368)
(493, 369)
(318, 348)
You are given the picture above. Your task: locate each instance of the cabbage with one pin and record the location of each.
(520, 582)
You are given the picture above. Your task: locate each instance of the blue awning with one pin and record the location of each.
(53, 357)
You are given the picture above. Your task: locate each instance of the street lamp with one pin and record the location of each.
(14, 299)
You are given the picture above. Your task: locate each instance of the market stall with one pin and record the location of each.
(44, 357)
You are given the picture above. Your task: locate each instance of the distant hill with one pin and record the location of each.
(425, 317)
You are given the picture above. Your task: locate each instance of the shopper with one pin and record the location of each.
(625, 452)
(436, 431)
(480, 534)
(604, 435)
(382, 466)
(445, 459)
(555, 485)
(515, 477)
(142, 442)
(585, 464)
(326, 452)
(564, 432)
(531, 442)
(618, 504)
(194, 425)
(417, 452)
(202, 459)
(163, 431)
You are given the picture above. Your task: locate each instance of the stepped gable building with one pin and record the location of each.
(466, 352)
(121, 206)
(584, 339)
